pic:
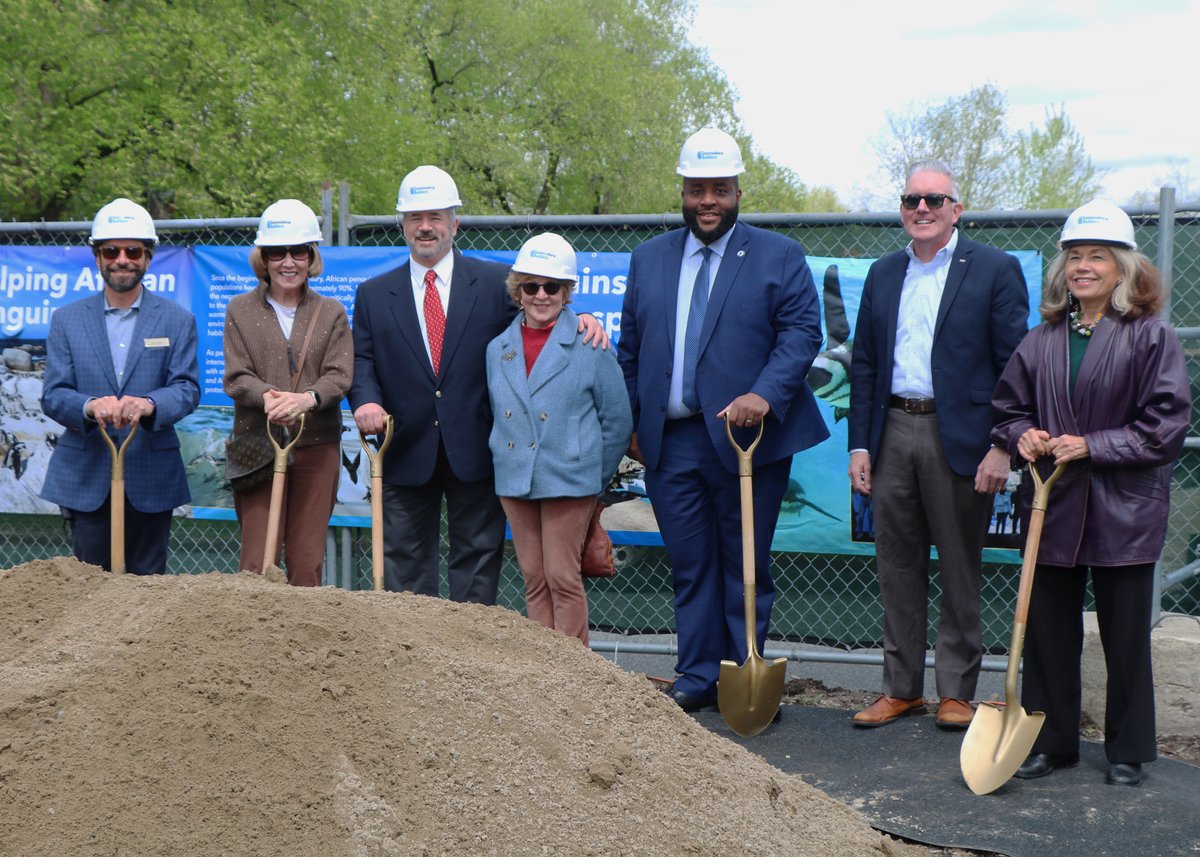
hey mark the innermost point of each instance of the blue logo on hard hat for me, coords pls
(541, 254)
(120, 218)
(276, 224)
(708, 156)
(1093, 218)
(417, 191)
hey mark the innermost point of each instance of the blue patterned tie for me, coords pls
(691, 339)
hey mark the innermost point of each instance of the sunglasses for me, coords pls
(933, 200)
(531, 289)
(112, 253)
(300, 252)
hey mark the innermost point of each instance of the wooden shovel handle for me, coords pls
(116, 500)
(376, 459)
(1033, 538)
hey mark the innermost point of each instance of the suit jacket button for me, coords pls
(437, 394)
(436, 423)
(544, 416)
(510, 444)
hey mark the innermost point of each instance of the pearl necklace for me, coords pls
(1080, 326)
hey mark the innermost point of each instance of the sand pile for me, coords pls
(226, 715)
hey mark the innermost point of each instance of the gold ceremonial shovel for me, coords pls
(117, 499)
(376, 459)
(278, 480)
(748, 696)
(1000, 737)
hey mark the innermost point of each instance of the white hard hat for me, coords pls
(1098, 222)
(287, 222)
(547, 255)
(123, 218)
(710, 153)
(427, 188)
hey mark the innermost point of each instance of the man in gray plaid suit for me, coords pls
(114, 359)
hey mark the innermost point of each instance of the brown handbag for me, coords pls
(249, 456)
(597, 558)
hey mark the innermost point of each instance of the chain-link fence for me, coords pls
(822, 598)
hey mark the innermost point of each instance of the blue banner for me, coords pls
(819, 514)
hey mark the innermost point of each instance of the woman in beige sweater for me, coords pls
(271, 376)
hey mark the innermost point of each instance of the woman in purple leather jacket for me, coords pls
(1101, 385)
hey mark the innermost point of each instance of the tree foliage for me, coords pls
(220, 107)
(1036, 168)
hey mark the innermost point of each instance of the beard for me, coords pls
(122, 279)
(728, 218)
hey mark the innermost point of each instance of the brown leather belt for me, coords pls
(912, 406)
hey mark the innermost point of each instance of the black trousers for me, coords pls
(146, 537)
(412, 534)
(1054, 646)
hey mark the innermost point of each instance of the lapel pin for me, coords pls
(508, 355)
(741, 252)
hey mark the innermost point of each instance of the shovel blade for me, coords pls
(997, 742)
(748, 696)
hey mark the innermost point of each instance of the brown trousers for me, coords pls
(919, 500)
(308, 497)
(548, 536)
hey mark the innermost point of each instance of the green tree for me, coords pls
(1050, 167)
(219, 107)
(1037, 168)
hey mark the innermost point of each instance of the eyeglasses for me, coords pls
(933, 200)
(531, 289)
(112, 253)
(299, 252)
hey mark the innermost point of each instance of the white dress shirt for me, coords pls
(920, 297)
(444, 270)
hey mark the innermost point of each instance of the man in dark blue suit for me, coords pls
(420, 339)
(112, 360)
(937, 322)
(720, 319)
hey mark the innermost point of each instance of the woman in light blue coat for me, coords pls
(561, 422)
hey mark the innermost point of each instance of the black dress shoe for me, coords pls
(1040, 764)
(691, 703)
(1124, 774)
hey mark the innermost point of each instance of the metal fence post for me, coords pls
(1166, 244)
(326, 213)
(343, 214)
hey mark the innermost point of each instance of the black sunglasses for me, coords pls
(297, 251)
(112, 253)
(531, 289)
(933, 200)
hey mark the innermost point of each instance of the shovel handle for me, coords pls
(1033, 538)
(117, 500)
(278, 480)
(376, 459)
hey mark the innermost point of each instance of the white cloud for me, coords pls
(817, 80)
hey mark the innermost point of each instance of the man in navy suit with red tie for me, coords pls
(420, 339)
(720, 320)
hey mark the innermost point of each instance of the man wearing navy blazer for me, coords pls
(119, 358)
(937, 322)
(720, 319)
(420, 336)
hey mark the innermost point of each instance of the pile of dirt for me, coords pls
(226, 715)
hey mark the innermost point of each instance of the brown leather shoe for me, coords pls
(954, 713)
(886, 709)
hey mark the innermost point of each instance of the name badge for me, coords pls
(158, 342)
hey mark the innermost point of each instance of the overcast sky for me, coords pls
(815, 80)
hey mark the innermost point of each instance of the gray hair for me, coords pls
(933, 165)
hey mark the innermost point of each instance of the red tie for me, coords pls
(435, 319)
